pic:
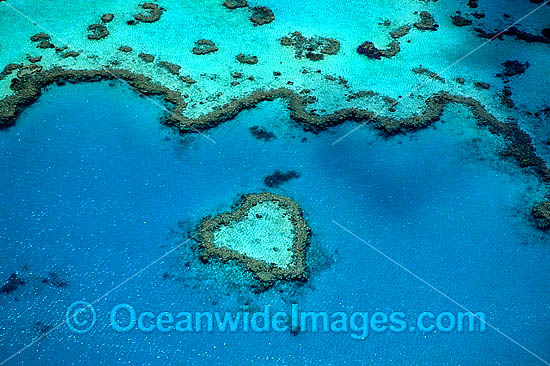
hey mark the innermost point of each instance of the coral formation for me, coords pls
(146, 57)
(151, 14)
(97, 31)
(265, 233)
(541, 215)
(460, 21)
(261, 133)
(11, 284)
(401, 31)
(279, 178)
(313, 48)
(204, 46)
(516, 33)
(107, 18)
(246, 59)
(172, 68)
(427, 22)
(428, 73)
(261, 15)
(518, 143)
(235, 4)
(369, 49)
(513, 68)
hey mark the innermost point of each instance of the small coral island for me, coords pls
(265, 233)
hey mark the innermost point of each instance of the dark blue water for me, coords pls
(94, 189)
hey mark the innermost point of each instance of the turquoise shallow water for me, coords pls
(94, 188)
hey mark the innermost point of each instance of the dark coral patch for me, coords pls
(278, 178)
(426, 23)
(313, 48)
(97, 32)
(151, 14)
(146, 57)
(369, 49)
(261, 15)
(513, 68)
(204, 46)
(541, 215)
(261, 133)
(12, 283)
(55, 280)
(246, 59)
(107, 18)
(235, 4)
(460, 21)
(172, 68)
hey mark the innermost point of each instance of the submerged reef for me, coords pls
(313, 48)
(246, 59)
(369, 49)
(261, 133)
(428, 73)
(519, 146)
(204, 46)
(265, 233)
(426, 23)
(13, 282)
(517, 34)
(151, 14)
(541, 215)
(97, 32)
(235, 4)
(261, 15)
(513, 68)
(278, 178)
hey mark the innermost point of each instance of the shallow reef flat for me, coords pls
(266, 233)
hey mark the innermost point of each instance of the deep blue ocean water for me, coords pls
(94, 188)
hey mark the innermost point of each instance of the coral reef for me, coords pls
(460, 21)
(246, 59)
(125, 49)
(428, 73)
(541, 215)
(313, 48)
(426, 23)
(513, 68)
(28, 88)
(73, 54)
(517, 34)
(261, 227)
(146, 57)
(11, 284)
(369, 49)
(107, 18)
(400, 32)
(97, 31)
(235, 4)
(261, 133)
(152, 13)
(55, 280)
(172, 68)
(261, 15)
(204, 46)
(40, 37)
(482, 85)
(28, 70)
(278, 178)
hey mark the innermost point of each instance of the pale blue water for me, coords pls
(93, 188)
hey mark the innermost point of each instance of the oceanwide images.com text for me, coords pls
(123, 318)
